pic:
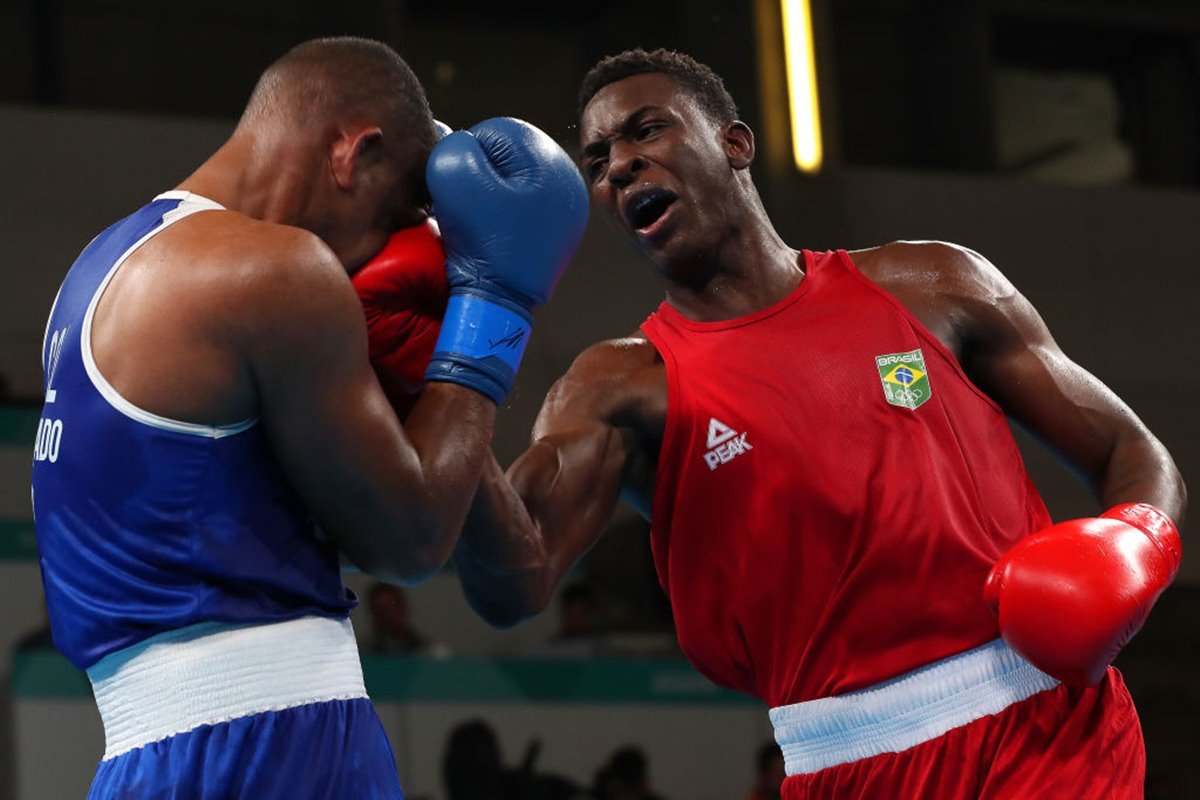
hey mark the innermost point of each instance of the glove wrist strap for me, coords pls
(1155, 524)
(481, 343)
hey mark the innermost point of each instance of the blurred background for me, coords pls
(1060, 138)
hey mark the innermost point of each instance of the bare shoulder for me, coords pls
(264, 255)
(274, 280)
(929, 266)
(616, 357)
(955, 292)
(188, 322)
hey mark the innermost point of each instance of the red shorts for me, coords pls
(1060, 743)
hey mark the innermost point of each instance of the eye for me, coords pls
(596, 169)
(648, 129)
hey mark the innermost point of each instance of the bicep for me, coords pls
(579, 462)
(1011, 355)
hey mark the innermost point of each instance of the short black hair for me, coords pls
(697, 78)
(471, 762)
(628, 765)
(347, 77)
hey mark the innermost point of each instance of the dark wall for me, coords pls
(905, 83)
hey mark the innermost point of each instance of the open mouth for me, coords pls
(647, 206)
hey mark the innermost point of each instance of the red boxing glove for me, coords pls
(403, 293)
(1069, 597)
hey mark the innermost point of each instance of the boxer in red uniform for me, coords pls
(840, 515)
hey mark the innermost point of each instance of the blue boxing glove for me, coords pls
(512, 208)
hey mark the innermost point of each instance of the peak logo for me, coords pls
(724, 444)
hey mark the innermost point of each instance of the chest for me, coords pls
(857, 361)
(825, 400)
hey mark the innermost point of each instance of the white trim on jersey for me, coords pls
(46, 332)
(190, 204)
(214, 672)
(892, 716)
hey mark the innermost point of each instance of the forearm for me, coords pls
(1069, 597)
(499, 532)
(529, 526)
(1140, 470)
(501, 557)
(450, 430)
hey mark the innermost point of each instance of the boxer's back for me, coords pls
(147, 523)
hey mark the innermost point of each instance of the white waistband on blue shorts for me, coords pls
(892, 716)
(216, 672)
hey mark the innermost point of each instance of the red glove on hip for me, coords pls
(403, 293)
(1069, 597)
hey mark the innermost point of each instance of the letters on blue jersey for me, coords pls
(146, 524)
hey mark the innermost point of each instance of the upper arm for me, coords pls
(529, 525)
(329, 423)
(1008, 351)
(584, 439)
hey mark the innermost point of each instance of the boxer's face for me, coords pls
(389, 194)
(657, 162)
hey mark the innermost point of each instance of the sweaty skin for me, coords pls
(599, 431)
(249, 313)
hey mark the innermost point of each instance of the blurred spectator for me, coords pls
(576, 613)
(472, 769)
(626, 776)
(471, 765)
(620, 570)
(770, 772)
(11, 397)
(576, 635)
(392, 632)
(36, 639)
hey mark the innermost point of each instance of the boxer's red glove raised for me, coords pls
(1069, 597)
(403, 293)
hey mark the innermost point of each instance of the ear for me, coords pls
(738, 140)
(346, 151)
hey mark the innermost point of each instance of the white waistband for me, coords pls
(903, 712)
(215, 672)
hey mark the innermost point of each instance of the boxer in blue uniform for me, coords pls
(213, 434)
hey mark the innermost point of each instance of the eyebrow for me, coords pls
(601, 146)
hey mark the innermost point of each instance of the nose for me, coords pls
(624, 164)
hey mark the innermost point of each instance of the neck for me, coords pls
(260, 175)
(750, 269)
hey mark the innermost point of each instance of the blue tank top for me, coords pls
(146, 524)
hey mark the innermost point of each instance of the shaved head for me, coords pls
(342, 129)
(343, 80)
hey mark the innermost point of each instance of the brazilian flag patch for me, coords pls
(905, 379)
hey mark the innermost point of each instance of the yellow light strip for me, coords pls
(802, 84)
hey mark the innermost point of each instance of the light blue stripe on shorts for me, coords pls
(892, 716)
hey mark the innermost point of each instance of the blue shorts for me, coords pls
(218, 711)
(334, 750)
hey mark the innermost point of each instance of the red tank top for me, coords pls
(831, 491)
